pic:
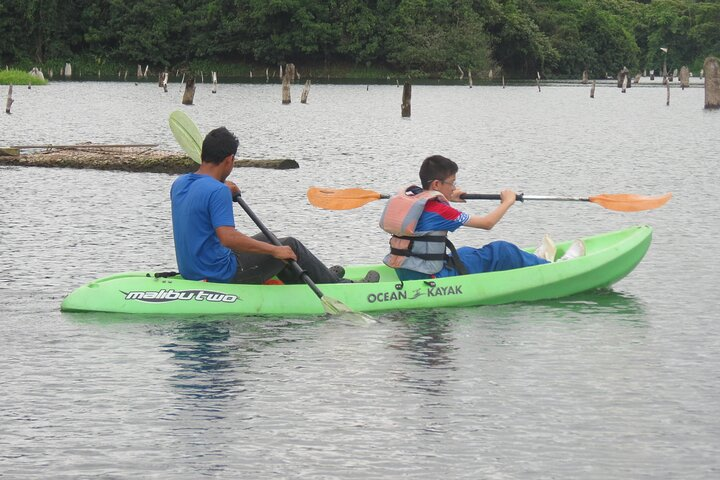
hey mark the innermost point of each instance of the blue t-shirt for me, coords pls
(200, 204)
(439, 216)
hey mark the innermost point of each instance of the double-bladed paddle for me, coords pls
(190, 139)
(349, 198)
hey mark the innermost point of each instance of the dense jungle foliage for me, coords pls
(419, 37)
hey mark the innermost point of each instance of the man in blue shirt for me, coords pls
(207, 245)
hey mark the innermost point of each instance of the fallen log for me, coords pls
(148, 161)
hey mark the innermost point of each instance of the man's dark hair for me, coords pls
(218, 144)
(436, 167)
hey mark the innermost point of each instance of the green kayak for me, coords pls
(609, 257)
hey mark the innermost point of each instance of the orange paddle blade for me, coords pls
(344, 199)
(628, 202)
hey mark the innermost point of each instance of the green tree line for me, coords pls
(422, 37)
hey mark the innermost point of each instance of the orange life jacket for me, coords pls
(420, 251)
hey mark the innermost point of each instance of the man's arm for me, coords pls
(239, 242)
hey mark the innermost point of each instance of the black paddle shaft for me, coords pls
(487, 196)
(274, 240)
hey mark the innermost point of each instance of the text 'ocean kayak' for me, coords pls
(609, 257)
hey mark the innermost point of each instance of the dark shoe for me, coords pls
(371, 277)
(338, 270)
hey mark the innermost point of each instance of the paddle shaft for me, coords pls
(520, 197)
(274, 240)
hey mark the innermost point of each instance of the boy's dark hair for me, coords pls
(436, 167)
(218, 144)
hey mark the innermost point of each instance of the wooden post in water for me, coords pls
(189, 94)
(667, 86)
(10, 100)
(503, 80)
(538, 80)
(214, 80)
(592, 90)
(139, 71)
(287, 79)
(68, 70)
(684, 77)
(585, 77)
(306, 91)
(285, 88)
(165, 76)
(711, 69)
(622, 79)
(470, 78)
(406, 97)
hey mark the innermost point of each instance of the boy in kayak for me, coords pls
(419, 219)
(207, 245)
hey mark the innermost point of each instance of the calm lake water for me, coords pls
(613, 384)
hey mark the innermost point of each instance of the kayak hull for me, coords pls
(609, 258)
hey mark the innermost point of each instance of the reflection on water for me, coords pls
(204, 360)
(426, 340)
(622, 306)
(426, 336)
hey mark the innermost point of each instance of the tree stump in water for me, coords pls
(305, 92)
(711, 69)
(623, 79)
(189, 94)
(287, 80)
(9, 100)
(684, 77)
(406, 98)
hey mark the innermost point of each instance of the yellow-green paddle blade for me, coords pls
(187, 134)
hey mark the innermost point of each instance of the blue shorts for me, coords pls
(493, 257)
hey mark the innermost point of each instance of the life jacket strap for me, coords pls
(453, 261)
